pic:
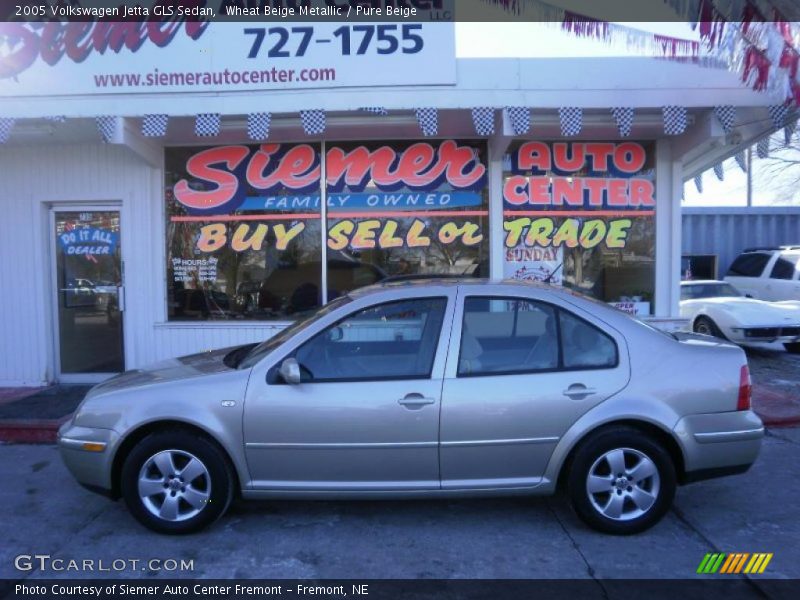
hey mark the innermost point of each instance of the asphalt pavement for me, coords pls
(46, 513)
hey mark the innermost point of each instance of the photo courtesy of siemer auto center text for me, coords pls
(399, 299)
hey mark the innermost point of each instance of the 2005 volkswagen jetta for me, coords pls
(425, 389)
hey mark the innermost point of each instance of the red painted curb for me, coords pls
(30, 431)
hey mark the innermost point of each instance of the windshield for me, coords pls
(697, 291)
(267, 346)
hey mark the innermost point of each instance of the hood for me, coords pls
(749, 311)
(173, 369)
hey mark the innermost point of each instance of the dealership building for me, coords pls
(176, 188)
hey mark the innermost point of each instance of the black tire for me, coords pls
(589, 458)
(211, 492)
(792, 347)
(706, 326)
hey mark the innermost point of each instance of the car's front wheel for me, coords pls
(792, 347)
(176, 482)
(621, 481)
(706, 326)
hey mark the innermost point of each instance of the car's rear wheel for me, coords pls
(706, 326)
(621, 481)
(792, 347)
(176, 482)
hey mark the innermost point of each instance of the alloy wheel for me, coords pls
(174, 485)
(623, 484)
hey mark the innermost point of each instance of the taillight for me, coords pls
(745, 389)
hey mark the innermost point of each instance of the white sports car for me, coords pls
(719, 309)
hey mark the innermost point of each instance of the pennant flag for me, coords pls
(788, 131)
(726, 115)
(6, 125)
(258, 125)
(55, 118)
(675, 119)
(483, 120)
(314, 122)
(719, 171)
(571, 120)
(207, 124)
(520, 117)
(624, 119)
(428, 119)
(698, 182)
(777, 113)
(741, 160)
(762, 148)
(375, 110)
(154, 125)
(106, 125)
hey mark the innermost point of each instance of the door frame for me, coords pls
(87, 206)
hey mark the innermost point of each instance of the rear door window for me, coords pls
(749, 265)
(785, 267)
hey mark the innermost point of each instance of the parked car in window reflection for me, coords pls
(426, 389)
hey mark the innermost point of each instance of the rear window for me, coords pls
(785, 267)
(708, 290)
(749, 265)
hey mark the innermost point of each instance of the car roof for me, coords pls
(439, 282)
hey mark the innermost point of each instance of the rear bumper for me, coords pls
(719, 444)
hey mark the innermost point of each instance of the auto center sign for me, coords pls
(136, 57)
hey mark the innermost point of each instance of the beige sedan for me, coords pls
(426, 389)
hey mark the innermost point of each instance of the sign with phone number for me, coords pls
(104, 58)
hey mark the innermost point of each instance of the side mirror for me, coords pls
(290, 371)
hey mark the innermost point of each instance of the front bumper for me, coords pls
(719, 443)
(751, 335)
(87, 453)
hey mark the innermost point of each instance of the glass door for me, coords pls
(89, 294)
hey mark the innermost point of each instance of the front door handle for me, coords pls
(578, 391)
(415, 401)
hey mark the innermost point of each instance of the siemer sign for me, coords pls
(79, 58)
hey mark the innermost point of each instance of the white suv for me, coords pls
(771, 274)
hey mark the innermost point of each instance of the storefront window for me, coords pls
(243, 222)
(405, 209)
(243, 231)
(582, 215)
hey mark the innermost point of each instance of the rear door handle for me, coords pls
(415, 401)
(578, 391)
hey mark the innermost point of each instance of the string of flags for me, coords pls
(107, 126)
(207, 124)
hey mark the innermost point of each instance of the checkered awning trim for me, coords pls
(207, 124)
(741, 160)
(154, 125)
(719, 171)
(698, 182)
(428, 119)
(375, 110)
(258, 125)
(6, 125)
(106, 125)
(571, 118)
(726, 115)
(762, 148)
(483, 120)
(778, 114)
(314, 122)
(623, 115)
(520, 117)
(675, 119)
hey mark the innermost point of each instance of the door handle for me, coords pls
(578, 391)
(415, 401)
